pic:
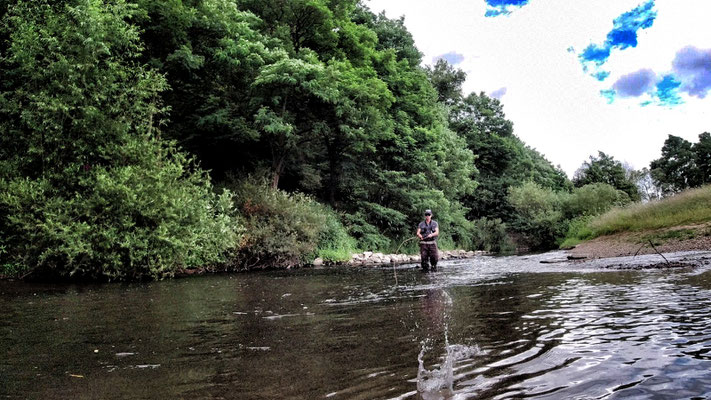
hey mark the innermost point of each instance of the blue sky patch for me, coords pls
(495, 8)
(668, 91)
(596, 54)
(453, 58)
(498, 93)
(662, 91)
(601, 75)
(608, 94)
(622, 36)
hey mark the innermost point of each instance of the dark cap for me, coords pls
(428, 212)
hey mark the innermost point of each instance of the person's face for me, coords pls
(428, 217)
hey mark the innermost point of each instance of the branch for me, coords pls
(637, 252)
(655, 249)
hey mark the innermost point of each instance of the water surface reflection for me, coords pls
(483, 328)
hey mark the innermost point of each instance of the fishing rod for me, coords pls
(403, 242)
(398, 252)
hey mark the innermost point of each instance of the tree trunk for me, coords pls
(335, 154)
(277, 169)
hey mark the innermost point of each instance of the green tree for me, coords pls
(87, 187)
(211, 52)
(301, 24)
(593, 199)
(447, 81)
(538, 215)
(290, 92)
(676, 169)
(605, 169)
(392, 35)
(702, 158)
(502, 159)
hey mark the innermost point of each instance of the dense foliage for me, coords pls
(325, 96)
(683, 164)
(605, 169)
(86, 186)
(544, 216)
(109, 110)
(285, 230)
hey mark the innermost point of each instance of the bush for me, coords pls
(491, 235)
(286, 230)
(539, 217)
(119, 223)
(578, 231)
(367, 235)
(594, 199)
(334, 242)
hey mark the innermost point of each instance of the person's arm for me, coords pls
(419, 234)
(435, 233)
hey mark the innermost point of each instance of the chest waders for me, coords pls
(429, 253)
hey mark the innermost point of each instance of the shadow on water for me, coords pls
(483, 328)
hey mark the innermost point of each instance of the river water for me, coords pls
(507, 327)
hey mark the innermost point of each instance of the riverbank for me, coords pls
(668, 240)
(369, 258)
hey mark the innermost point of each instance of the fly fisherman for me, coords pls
(427, 232)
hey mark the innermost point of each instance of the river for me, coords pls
(504, 327)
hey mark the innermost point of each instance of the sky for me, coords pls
(577, 77)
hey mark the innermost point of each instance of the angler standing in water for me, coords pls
(427, 232)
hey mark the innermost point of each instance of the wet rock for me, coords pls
(554, 261)
(318, 262)
(369, 258)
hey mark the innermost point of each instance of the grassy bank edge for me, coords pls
(682, 216)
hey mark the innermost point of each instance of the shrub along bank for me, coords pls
(285, 230)
(544, 217)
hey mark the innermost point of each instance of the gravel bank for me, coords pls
(627, 244)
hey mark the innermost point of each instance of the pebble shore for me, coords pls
(369, 258)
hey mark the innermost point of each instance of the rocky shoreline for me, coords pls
(369, 258)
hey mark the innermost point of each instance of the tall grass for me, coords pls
(687, 208)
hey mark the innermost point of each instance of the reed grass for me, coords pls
(691, 207)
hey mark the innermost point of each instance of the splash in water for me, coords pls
(437, 382)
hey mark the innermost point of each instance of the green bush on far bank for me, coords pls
(578, 231)
(546, 218)
(334, 242)
(285, 229)
(491, 236)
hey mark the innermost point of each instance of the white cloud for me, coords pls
(555, 106)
